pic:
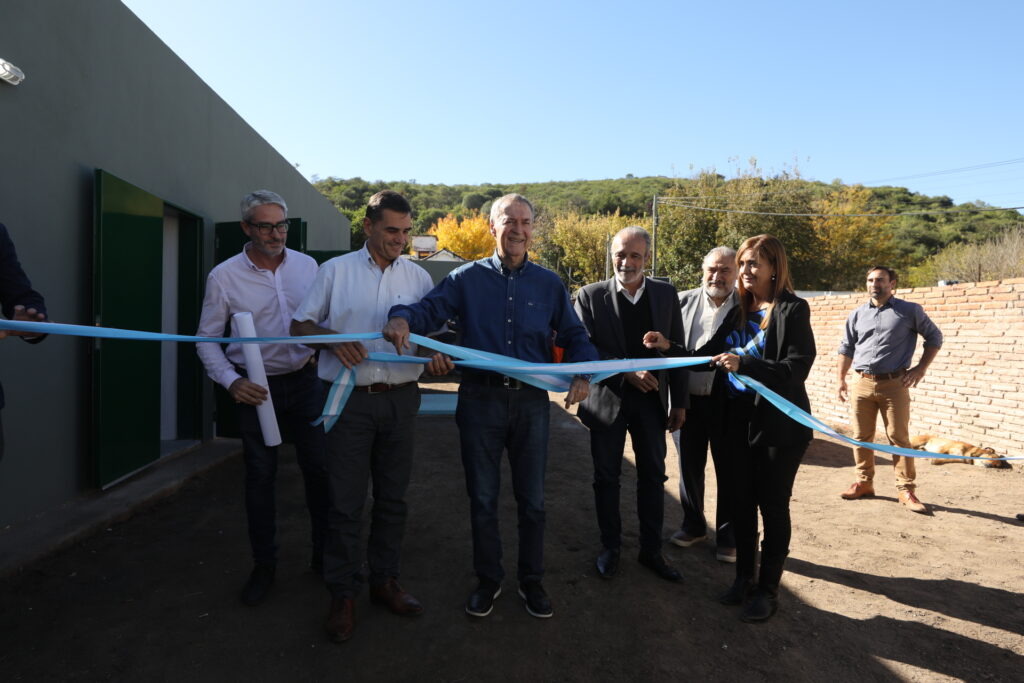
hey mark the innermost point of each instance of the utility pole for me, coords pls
(607, 256)
(654, 236)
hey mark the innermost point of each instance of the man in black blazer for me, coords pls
(617, 313)
(18, 301)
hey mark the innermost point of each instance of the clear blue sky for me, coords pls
(471, 92)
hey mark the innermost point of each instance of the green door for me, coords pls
(127, 271)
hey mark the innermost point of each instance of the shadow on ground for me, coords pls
(155, 599)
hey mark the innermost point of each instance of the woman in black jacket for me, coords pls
(767, 337)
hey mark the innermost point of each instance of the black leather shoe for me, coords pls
(760, 606)
(608, 563)
(737, 592)
(481, 601)
(657, 564)
(258, 585)
(537, 602)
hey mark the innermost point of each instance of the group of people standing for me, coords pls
(745, 316)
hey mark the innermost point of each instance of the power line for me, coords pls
(947, 171)
(835, 215)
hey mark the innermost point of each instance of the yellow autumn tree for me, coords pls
(848, 241)
(469, 237)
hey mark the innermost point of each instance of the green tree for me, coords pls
(473, 201)
(849, 243)
(575, 245)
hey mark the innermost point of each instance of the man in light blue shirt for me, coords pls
(879, 343)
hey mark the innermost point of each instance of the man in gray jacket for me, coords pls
(704, 309)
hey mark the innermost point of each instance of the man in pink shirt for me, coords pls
(268, 280)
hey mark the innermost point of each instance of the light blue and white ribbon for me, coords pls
(547, 376)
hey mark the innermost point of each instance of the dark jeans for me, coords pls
(372, 441)
(642, 416)
(490, 420)
(298, 400)
(701, 429)
(761, 478)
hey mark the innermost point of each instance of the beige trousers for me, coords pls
(868, 398)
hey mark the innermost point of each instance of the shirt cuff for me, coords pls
(227, 378)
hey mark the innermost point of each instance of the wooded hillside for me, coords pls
(828, 251)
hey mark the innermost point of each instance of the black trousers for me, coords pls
(703, 428)
(297, 402)
(371, 443)
(643, 417)
(760, 479)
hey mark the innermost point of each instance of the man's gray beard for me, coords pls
(623, 276)
(717, 292)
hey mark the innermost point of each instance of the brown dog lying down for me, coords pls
(982, 457)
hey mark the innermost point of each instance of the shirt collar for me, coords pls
(889, 303)
(367, 258)
(620, 288)
(497, 264)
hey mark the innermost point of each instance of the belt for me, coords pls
(884, 375)
(380, 387)
(489, 379)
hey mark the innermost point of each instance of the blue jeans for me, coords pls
(297, 402)
(491, 420)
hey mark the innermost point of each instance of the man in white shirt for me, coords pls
(268, 280)
(704, 309)
(374, 436)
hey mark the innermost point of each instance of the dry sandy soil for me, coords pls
(872, 592)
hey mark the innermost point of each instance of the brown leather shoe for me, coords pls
(858, 489)
(910, 501)
(391, 595)
(340, 620)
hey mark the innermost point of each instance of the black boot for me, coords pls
(737, 593)
(760, 606)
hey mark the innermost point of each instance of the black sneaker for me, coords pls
(537, 602)
(258, 585)
(481, 601)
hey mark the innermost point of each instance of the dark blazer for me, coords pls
(15, 288)
(789, 353)
(598, 307)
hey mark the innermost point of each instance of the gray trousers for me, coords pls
(372, 443)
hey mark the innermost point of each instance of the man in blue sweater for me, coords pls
(505, 304)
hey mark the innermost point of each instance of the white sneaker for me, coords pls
(685, 540)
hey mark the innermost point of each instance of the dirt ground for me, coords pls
(871, 592)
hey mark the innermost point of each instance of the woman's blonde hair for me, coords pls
(767, 248)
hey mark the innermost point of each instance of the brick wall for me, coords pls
(974, 390)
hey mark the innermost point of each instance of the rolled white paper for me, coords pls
(258, 375)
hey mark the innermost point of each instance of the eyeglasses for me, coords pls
(267, 228)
